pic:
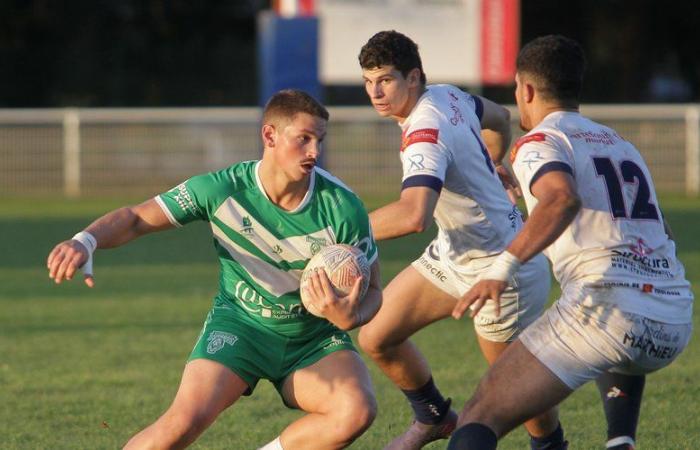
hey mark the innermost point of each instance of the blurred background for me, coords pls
(130, 97)
(109, 102)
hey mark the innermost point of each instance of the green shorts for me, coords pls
(254, 352)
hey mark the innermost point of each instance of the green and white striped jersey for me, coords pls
(262, 248)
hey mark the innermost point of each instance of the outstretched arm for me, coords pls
(111, 230)
(557, 205)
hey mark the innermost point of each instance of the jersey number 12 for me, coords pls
(642, 207)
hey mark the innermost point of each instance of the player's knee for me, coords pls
(372, 343)
(353, 416)
(180, 426)
(477, 409)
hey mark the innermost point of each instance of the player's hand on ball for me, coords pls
(65, 259)
(477, 296)
(340, 310)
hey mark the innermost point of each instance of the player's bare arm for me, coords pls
(111, 230)
(496, 134)
(557, 205)
(495, 123)
(411, 213)
(350, 311)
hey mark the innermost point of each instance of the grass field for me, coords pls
(85, 369)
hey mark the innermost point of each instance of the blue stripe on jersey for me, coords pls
(479, 109)
(552, 166)
(430, 181)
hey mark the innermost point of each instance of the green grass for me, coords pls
(85, 369)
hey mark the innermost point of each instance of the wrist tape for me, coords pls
(90, 243)
(502, 268)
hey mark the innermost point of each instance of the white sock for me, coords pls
(619, 441)
(274, 445)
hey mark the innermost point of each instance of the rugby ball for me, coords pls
(343, 265)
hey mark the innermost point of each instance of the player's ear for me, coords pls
(529, 91)
(269, 135)
(414, 77)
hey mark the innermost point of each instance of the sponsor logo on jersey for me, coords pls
(416, 162)
(217, 340)
(603, 137)
(429, 135)
(634, 260)
(516, 218)
(336, 340)
(183, 199)
(457, 116)
(534, 137)
(256, 304)
(641, 248)
(532, 157)
(316, 244)
(644, 287)
(247, 228)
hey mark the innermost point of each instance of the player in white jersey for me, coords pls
(450, 177)
(268, 218)
(625, 308)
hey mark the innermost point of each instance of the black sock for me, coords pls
(553, 441)
(622, 399)
(473, 436)
(428, 404)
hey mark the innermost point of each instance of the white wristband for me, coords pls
(90, 243)
(502, 268)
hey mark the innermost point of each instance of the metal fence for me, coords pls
(112, 152)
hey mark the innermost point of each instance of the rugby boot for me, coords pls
(420, 434)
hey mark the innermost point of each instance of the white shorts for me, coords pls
(521, 304)
(579, 342)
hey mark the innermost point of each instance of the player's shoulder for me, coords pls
(238, 176)
(428, 121)
(547, 134)
(331, 191)
(224, 182)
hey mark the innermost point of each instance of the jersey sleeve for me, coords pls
(424, 156)
(476, 104)
(355, 230)
(538, 153)
(192, 199)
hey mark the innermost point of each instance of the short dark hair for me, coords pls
(391, 48)
(287, 103)
(557, 63)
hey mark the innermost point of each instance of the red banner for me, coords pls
(500, 40)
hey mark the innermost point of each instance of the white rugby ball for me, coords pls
(343, 264)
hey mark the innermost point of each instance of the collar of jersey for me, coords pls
(304, 201)
(407, 121)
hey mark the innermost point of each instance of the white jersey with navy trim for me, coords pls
(617, 239)
(442, 149)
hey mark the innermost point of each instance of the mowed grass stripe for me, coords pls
(86, 368)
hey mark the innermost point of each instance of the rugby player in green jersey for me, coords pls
(268, 218)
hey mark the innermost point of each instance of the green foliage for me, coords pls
(87, 368)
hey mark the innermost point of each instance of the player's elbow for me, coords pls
(569, 204)
(419, 222)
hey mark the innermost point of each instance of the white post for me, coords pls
(692, 150)
(71, 153)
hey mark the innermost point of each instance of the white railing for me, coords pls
(74, 152)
